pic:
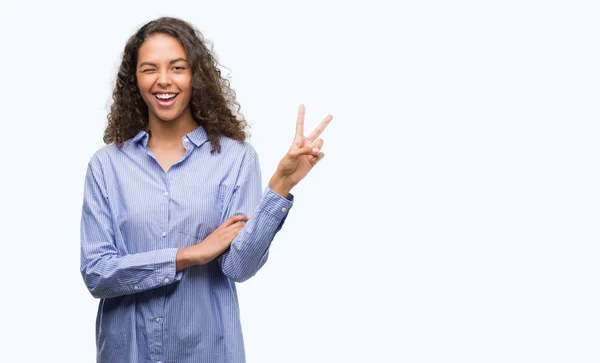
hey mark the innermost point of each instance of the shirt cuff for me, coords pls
(275, 204)
(165, 266)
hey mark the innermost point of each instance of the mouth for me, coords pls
(165, 99)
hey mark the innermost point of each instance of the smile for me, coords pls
(165, 99)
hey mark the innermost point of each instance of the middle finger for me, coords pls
(320, 128)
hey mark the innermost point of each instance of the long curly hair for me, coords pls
(213, 102)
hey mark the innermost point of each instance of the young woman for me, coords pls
(174, 213)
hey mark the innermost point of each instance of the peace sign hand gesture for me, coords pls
(302, 156)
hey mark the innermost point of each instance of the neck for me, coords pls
(166, 134)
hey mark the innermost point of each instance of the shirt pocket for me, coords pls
(190, 238)
(200, 209)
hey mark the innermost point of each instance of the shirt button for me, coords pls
(136, 287)
(164, 234)
(158, 320)
(167, 280)
(166, 194)
(284, 209)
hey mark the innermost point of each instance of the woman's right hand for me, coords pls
(213, 245)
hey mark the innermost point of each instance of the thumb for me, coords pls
(316, 159)
(308, 150)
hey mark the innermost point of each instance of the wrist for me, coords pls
(280, 185)
(185, 258)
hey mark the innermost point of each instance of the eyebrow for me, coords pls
(171, 62)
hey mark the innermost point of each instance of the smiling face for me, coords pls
(164, 79)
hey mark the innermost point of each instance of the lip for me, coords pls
(165, 103)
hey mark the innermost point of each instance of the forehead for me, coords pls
(160, 47)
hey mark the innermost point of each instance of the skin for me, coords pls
(162, 68)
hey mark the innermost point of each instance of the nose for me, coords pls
(163, 79)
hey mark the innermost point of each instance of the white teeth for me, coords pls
(165, 96)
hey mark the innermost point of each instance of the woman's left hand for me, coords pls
(302, 156)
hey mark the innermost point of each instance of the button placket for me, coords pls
(165, 206)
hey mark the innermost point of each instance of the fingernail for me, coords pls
(315, 150)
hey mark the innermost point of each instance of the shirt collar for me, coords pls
(197, 137)
(141, 136)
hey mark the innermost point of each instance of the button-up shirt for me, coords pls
(136, 216)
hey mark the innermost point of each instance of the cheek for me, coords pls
(145, 96)
(185, 83)
(144, 85)
(186, 88)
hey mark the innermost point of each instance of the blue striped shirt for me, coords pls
(135, 217)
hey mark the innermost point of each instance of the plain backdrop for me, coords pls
(454, 218)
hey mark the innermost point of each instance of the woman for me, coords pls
(173, 211)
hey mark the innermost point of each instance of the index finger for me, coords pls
(234, 219)
(300, 121)
(320, 128)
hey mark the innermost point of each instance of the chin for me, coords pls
(166, 119)
(167, 116)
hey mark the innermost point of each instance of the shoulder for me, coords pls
(104, 153)
(237, 149)
(109, 154)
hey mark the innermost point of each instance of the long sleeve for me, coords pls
(250, 249)
(107, 272)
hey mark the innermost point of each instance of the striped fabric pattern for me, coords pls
(134, 219)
